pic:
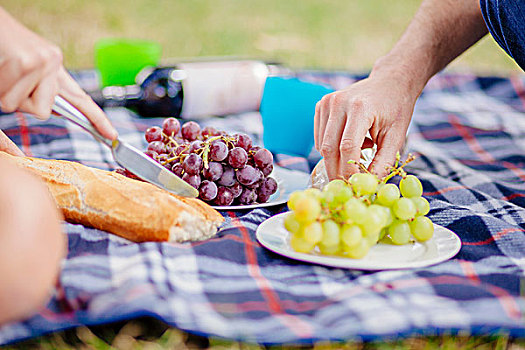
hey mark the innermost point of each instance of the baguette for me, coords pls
(129, 208)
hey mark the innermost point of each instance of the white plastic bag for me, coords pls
(319, 177)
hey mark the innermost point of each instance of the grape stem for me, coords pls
(205, 153)
(394, 170)
(171, 139)
(360, 165)
(202, 151)
(398, 169)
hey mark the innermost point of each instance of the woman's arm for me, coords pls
(32, 74)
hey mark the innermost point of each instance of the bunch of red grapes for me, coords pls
(226, 169)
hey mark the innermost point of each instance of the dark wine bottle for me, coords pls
(193, 89)
(158, 94)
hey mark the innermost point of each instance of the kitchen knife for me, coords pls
(128, 156)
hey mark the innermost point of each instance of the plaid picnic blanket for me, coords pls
(469, 135)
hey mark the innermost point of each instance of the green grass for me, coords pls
(149, 333)
(330, 34)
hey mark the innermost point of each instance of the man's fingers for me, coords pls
(324, 115)
(317, 122)
(349, 169)
(352, 142)
(70, 90)
(8, 146)
(332, 140)
(387, 149)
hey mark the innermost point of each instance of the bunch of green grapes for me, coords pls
(347, 218)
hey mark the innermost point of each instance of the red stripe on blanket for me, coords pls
(512, 196)
(295, 324)
(519, 172)
(469, 139)
(446, 131)
(441, 133)
(444, 190)
(476, 147)
(495, 237)
(39, 130)
(24, 134)
(469, 271)
(248, 306)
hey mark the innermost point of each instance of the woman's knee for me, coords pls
(32, 243)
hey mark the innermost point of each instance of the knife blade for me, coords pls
(128, 156)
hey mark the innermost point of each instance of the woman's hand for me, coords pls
(32, 74)
(380, 105)
(8, 146)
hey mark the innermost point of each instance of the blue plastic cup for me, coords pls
(288, 109)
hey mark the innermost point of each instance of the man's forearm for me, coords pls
(440, 31)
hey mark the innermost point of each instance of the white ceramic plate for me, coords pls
(442, 246)
(288, 181)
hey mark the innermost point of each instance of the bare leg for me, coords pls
(32, 243)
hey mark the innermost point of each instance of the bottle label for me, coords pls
(222, 87)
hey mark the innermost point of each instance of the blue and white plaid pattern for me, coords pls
(469, 135)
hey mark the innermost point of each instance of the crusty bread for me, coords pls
(129, 208)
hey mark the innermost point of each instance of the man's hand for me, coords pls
(380, 105)
(32, 74)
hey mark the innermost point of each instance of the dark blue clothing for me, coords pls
(505, 20)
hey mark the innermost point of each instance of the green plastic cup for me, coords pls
(119, 60)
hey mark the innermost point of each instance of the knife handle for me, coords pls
(64, 109)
